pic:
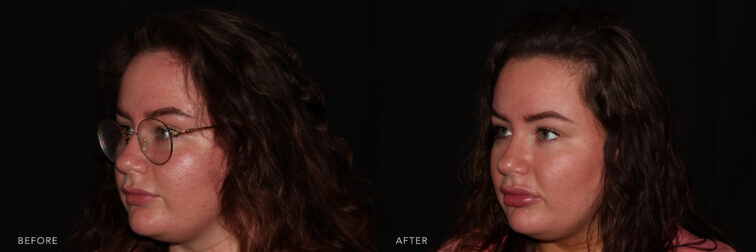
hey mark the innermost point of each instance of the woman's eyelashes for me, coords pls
(542, 134)
(546, 134)
(501, 132)
(126, 129)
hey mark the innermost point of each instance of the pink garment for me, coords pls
(683, 237)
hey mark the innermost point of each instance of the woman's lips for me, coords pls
(137, 197)
(518, 197)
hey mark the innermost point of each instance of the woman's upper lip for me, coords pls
(515, 190)
(137, 191)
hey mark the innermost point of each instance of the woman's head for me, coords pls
(621, 169)
(176, 201)
(547, 149)
(282, 179)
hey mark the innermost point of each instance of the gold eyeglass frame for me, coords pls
(142, 142)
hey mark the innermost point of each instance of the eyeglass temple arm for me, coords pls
(184, 131)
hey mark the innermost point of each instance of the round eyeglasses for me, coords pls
(154, 136)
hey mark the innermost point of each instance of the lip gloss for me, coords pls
(518, 197)
(137, 197)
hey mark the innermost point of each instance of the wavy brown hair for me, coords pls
(646, 193)
(290, 183)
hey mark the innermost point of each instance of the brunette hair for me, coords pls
(646, 194)
(290, 183)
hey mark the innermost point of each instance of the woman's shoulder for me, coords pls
(452, 244)
(689, 242)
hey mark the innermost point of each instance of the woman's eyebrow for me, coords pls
(545, 115)
(500, 116)
(120, 113)
(166, 111)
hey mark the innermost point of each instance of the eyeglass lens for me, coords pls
(153, 135)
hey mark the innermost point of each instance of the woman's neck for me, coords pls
(565, 246)
(585, 241)
(215, 238)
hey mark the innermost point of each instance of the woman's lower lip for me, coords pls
(138, 199)
(520, 200)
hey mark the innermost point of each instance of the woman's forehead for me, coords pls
(157, 80)
(536, 84)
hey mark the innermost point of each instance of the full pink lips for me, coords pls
(137, 197)
(518, 197)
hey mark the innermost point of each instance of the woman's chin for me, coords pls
(525, 222)
(145, 223)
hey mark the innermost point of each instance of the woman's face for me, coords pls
(547, 156)
(178, 201)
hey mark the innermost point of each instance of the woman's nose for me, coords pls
(131, 159)
(512, 157)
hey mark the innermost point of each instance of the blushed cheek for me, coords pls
(571, 178)
(196, 178)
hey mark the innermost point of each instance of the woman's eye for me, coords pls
(162, 133)
(547, 134)
(128, 131)
(501, 132)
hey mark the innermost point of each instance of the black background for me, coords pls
(400, 82)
